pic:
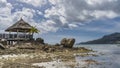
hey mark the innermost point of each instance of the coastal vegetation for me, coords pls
(34, 30)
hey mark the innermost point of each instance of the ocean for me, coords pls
(108, 56)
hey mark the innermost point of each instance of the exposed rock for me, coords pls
(48, 48)
(3, 41)
(1, 46)
(40, 40)
(51, 50)
(91, 62)
(45, 48)
(67, 42)
(57, 44)
(31, 40)
(64, 42)
(19, 65)
(71, 42)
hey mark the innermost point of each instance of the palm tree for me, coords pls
(34, 30)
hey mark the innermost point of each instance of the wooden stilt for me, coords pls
(17, 37)
(25, 34)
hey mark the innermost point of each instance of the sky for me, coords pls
(56, 19)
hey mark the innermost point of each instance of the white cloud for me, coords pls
(54, 2)
(25, 13)
(57, 14)
(81, 11)
(39, 12)
(72, 25)
(98, 2)
(5, 8)
(5, 14)
(69, 13)
(60, 14)
(104, 14)
(46, 26)
(36, 3)
(7, 18)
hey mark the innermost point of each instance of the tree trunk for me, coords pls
(32, 35)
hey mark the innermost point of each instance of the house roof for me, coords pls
(20, 26)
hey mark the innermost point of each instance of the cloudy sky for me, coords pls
(81, 19)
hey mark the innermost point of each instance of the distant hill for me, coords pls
(107, 39)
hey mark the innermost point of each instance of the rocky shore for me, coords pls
(25, 54)
(19, 56)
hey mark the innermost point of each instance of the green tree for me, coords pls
(34, 30)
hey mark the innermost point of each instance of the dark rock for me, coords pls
(3, 41)
(31, 39)
(18, 65)
(51, 50)
(45, 48)
(1, 46)
(40, 40)
(68, 43)
(57, 44)
(48, 48)
(71, 42)
(64, 42)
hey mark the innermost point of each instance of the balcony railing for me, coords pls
(15, 36)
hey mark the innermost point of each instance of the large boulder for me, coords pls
(71, 42)
(64, 42)
(68, 43)
(57, 44)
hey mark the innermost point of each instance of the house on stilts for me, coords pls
(20, 31)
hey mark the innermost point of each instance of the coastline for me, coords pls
(28, 56)
(80, 57)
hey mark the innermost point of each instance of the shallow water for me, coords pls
(107, 57)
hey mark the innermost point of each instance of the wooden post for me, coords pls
(8, 42)
(30, 36)
(13, 36)
(17, 34)
(2, 36)
(9, 34)
(25, 34)
(17, 37)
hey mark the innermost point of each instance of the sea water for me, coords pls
(108, 56)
